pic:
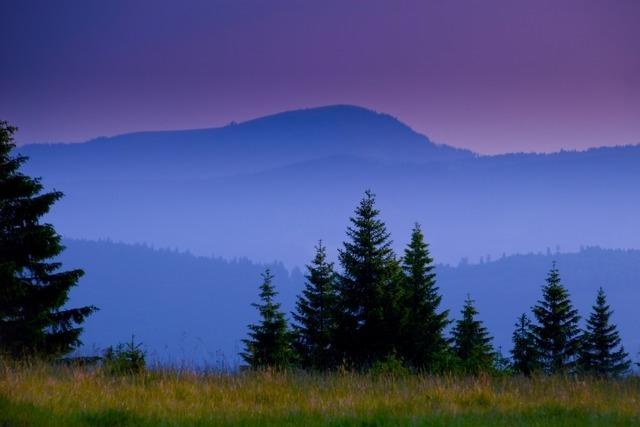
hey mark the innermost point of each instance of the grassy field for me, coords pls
(42, 396)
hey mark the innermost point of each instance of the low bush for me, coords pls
(125, 359)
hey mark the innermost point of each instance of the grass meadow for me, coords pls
(62, 396)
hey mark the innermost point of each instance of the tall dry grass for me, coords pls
(38, 394)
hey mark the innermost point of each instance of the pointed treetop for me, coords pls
(267, 291)
(556, 331)
(269, 341)
(524, 352)
(471, 340)
(422, 332)
(602, 352)
(315, 314)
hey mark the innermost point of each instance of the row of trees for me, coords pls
(556, 343)
(380, 306)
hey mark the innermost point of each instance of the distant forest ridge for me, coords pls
(176, 302)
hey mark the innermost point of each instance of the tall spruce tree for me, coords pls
(472, 342)
(315, 314)
(368, 317)
(33, 292)
(269, 342)
(422, 332)
(524, 354)
(556, 333)
(601, 352)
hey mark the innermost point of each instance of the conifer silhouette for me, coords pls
(602, 353)
(556, 334)
(471, 341)
(315, 314)
(34, 320)
(368, 289)
(524, 353)
(423, 324)
(269, 342)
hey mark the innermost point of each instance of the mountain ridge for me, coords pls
(251, 146)
(254, 187)
(342, 115)
(328, 113)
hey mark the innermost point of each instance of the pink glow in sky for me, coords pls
(492, 75)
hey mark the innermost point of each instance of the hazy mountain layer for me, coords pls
(269, 188)
(252, 146)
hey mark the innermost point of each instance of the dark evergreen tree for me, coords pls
(368, 318)
(422, 332)
(33, 292)
(556, 333)
(524, 353)
(269, 342)
(601, 352)
(315, 314)
(472, 342)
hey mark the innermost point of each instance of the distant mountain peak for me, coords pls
(332, 116)
(342, 111)
(274, 141)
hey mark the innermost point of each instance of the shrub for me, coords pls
(391, 366)
(125, 358)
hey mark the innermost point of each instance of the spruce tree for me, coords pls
(368, 317)
(34, 320)
(269, 342)
(315, 314)
(556, 333)
(422, 324)
(524, 353)
(602, 353)
(472, 342)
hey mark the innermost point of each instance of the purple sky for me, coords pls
(489, 75)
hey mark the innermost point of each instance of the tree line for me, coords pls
(380, 308)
